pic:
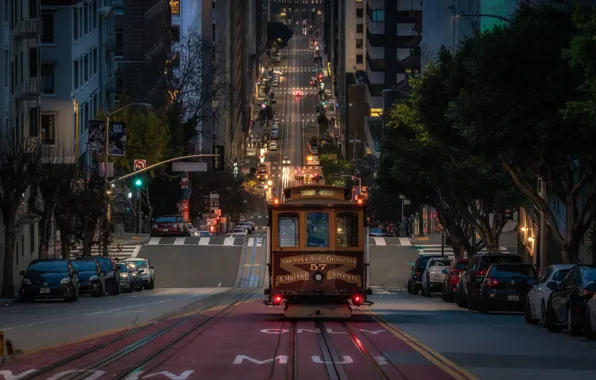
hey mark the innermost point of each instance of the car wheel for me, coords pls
(470, 303)
(458, 298)
(549, 319)
(151, 284)
(542, 314)
(483, 306)
(588, 328)
(410, 287)
(426, 291)
(528, 313)
(572, 327)
(444, 295)
(116, 290)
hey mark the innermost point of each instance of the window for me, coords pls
(176, 34)
(317, 229)
(359, 13)
(377, 15)
(76, 74)
(47, 129)
(47, 73)
(85, 19)
(94, 13)
(94, 62)
(359, 43)
(359, 28)
(359, 58)
(347, 231)
(33, 62)
(175, 5)
(287, 231)
(75, 22)
(48, 28)
(33, 122)
(86, 67)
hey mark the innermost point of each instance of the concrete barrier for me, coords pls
(193, 266)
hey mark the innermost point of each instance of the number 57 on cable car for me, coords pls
(317, 255)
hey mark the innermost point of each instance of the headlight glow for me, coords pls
(93, 278)
(65, 280)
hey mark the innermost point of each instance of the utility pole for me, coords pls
(354, 143)
(401, 224)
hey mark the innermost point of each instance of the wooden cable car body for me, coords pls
(317, 253)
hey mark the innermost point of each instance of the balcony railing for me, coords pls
(28, 28)
(29, 88)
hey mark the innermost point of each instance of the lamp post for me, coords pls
(106, 155)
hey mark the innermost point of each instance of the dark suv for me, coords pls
(415, 281)
(468, 287)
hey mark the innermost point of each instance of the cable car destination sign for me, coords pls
(318, 262)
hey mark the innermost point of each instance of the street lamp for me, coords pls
(106, 155)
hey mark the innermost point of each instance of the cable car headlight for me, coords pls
(318, 277)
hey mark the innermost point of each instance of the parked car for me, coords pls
(169, 225)
(249, 225)
(236, 234)
(505, 287)
(146, 271)
(240, 229)
(566, 306)
(415, 281)
(434, 275)
(49, 278)
(130, 278)
(469, 283)
(535, 307)
(91, 277)
(458, 266)
(111, 274)
(590, 319)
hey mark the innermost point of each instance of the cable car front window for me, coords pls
(287, 231)
(317, 229)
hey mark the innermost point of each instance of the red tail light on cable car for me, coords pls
(277, 299)
(357, 299)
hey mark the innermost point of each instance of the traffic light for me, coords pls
(138, 182)
(218, 160)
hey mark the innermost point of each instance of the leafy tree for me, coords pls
(19, 165)
(510, 108)
(333, 165)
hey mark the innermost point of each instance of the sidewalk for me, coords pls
(127, 238)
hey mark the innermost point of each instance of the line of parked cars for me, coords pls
(96, 275)
(242, 228)
(564, 297)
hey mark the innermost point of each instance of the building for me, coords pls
(20, 101)
(233, 33)
(76, 67)
(448, 22)
(143, 32)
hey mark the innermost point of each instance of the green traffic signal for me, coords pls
(138, 182)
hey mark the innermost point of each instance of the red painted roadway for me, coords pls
(254, 342)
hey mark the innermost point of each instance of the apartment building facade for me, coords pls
(21, 86)
(142, 30)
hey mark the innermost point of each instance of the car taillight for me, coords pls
(454, 278)
(357, 299)
(481, 273)
(277, 299)
(491, 282)
(417, 273)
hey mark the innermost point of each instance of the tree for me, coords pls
(19, 165)
(197, 85)
(333, 165)
(54, 178)
(90, 201)
(511, 108)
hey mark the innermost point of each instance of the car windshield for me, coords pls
(141, 264)
(560, 275)
(590, 274)
(166, 219)
(461, 265)
(57, 266)
(514, 271)
(85, 265)
(441, 263)
(105, 263)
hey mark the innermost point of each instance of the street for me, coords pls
(405, 337)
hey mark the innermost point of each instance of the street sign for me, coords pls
(139, 164)
(407, 201)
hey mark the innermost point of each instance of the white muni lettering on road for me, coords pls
(183, 376)
(135, 375)
(274, 331)
(8, 375)
(346, 360)
(381, 360)
(281, 359)
(93, 375)
(372, 332)
(300, 331)
(330, 331)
